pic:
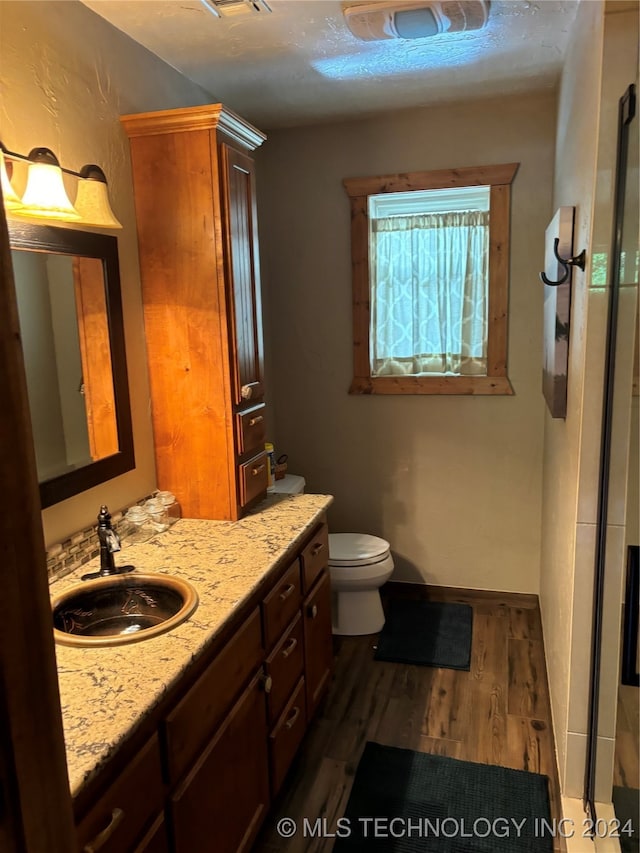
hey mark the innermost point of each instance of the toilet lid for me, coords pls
(356, 549)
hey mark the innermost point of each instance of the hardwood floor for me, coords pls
(626, 770)
(497, 713)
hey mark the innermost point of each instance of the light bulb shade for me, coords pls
(45, 195)
(11, 199)
(92, 200)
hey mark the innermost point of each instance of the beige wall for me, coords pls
(454, 483)
(600, 64)
(66, 76)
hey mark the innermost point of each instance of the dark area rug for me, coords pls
(428, 633)
(626, 803)
(411, 802)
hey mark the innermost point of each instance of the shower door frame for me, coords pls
(626, 114)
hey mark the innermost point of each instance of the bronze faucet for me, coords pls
(109, 544)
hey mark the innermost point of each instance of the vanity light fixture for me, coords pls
(45, 196)
(92, 200)
(11, 199)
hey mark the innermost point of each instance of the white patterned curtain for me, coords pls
(429, 291)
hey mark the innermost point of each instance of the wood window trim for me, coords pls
(496, 382)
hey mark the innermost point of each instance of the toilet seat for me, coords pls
(356, 549)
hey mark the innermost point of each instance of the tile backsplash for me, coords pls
(76, 550)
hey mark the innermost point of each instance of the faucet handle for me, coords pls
(112, 541)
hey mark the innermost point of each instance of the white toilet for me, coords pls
(358, 564)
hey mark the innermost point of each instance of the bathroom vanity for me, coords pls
(180, 742)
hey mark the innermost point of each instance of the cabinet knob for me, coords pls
(316, 549)
(312, 611)
(267, 684)
(102, 837)
(246, 391)
(257, 469)
(257, 420)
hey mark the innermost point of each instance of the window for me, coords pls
(430, 255)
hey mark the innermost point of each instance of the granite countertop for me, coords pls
(106, 692)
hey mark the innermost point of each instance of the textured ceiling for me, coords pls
(300, 64)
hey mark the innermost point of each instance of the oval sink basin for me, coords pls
(120, 609)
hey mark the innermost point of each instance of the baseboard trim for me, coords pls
(399, 589)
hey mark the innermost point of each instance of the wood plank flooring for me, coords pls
(497, 713)
(626, 769)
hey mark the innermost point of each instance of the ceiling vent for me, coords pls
(234, 8)
(414, 20)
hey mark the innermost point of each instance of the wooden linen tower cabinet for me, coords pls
(198, 243)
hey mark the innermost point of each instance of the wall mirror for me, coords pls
(68, 293)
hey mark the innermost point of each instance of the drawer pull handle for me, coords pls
(288, 649)
(267, 684)
(312, 611)
(246, 391)
(102, 837)
(286, 592)
(257, 469)
(295, 713)
(257, 420)
(316, 549)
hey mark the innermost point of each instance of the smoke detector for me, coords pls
(232, 8)
(414, 20)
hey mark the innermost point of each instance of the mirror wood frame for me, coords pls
(88, 244)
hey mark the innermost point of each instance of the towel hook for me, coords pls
(578, 261)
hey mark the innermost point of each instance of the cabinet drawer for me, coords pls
(315, 556)
(253, 479)
(194, 718)
(284, 665)
(251, 427)
(285, 739)
(280, 606)
(118, 819)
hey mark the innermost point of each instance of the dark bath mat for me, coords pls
(429, 633)
(626, 803)
(432, 804)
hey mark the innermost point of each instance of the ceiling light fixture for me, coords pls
(45, 196)
(414, 19)
(233, 8)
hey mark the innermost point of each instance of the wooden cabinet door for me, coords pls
(202, 709)
(243, 274)
(222, 802)
(318, 642)
(155, 841)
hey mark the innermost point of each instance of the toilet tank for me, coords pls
(290, 484)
